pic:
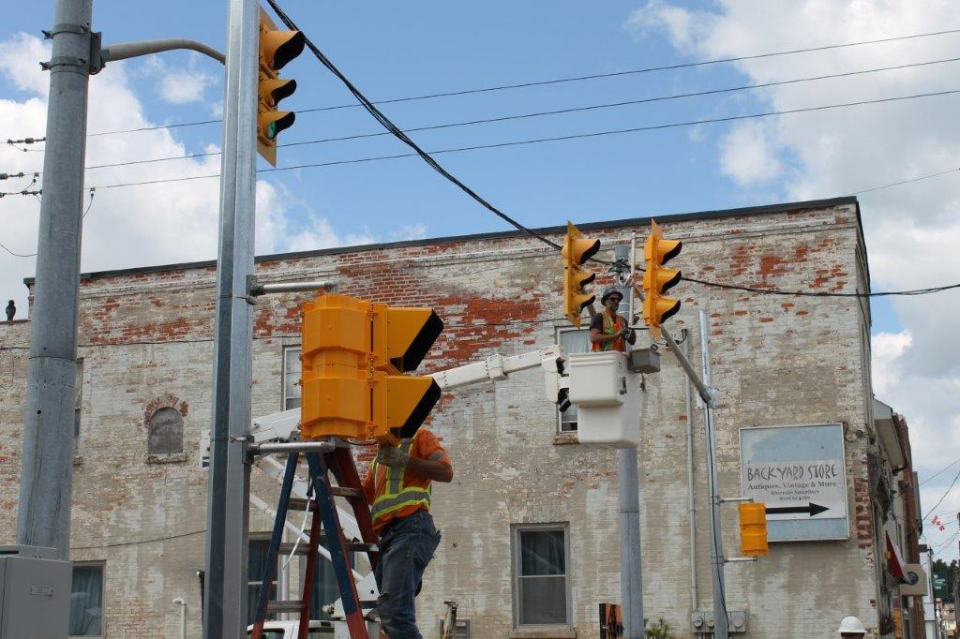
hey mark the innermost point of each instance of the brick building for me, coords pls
(522, 483)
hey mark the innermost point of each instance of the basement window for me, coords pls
(541, 589)
(291, 377)
(573, 340)
(86, 601)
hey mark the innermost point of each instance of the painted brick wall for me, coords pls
(146, 343)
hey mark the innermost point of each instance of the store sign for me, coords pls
(799, 474)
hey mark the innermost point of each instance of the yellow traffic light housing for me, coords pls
(277, 48)
(753, 529)
(576, 251)
(657, 280)
(354, 355)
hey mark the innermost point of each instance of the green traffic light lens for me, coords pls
(272, 130)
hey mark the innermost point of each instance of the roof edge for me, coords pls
(548, 230)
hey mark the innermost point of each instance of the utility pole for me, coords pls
(631, 571)
(722, 624)
(721, 628)
(225, 600)
(46, 472)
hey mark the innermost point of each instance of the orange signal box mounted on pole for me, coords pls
(355, 354)
(753, 529)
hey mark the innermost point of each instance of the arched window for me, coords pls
(165, 432)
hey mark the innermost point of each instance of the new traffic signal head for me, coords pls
(354, 355)
(277, 48)
(657, 280)
(753, 529)
(401, 337)
(576, 251)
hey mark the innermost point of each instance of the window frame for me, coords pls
(283, 376)
(103, 596)
(151, 428)
(261, 537)
(560, 331)
(515, 556)
(77, 405)
(351, 562)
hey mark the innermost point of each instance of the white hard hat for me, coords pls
(851, 624)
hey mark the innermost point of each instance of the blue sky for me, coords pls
(393, 50)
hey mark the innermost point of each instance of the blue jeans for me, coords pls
(406, 547)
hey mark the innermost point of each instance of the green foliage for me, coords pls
(950, 572)
(659, 631)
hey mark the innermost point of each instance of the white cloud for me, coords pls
(180, 85)
(912, 231)
(747, 155)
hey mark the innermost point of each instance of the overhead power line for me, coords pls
(555, 81)
(944, 496)
(400, 135)
(562, 138)
(940, 472)
(539, 114)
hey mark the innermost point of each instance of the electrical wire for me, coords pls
(555, 81)
(141, 541)
(944, 496)
(532, 141)
(538, 114)
(15, 254)
(940, 472)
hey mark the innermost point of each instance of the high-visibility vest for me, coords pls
(612, 327)
(395, 495)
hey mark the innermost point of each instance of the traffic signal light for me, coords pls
(753, 529)
(576, 251)
(657, 280)
(277, 48)
(354, 355)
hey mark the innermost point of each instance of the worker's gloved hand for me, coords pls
(392, 457)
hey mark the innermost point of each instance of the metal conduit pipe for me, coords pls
(691, 497)
(180, 601)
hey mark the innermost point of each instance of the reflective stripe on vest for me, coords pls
(395, 496)
(610, 328)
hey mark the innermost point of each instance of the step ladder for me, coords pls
(338, 463)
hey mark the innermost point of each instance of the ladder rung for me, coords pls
(301, 549)
(298, 503)
(284, 606)
(357, 546)
(343, 491)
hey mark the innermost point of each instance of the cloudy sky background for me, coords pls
(912, 230)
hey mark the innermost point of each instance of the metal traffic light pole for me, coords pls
(46, 471)
(721, 629)
(225, 600)
(631, 576)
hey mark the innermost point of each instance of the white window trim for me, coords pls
(103, 597)
(515, 531)
(283, 373)
(560, 331)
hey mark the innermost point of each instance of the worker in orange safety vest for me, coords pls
(608, 329)
(399, 487)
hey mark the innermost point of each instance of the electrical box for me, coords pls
(607, 396)
(34, 593)
(703, 622)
